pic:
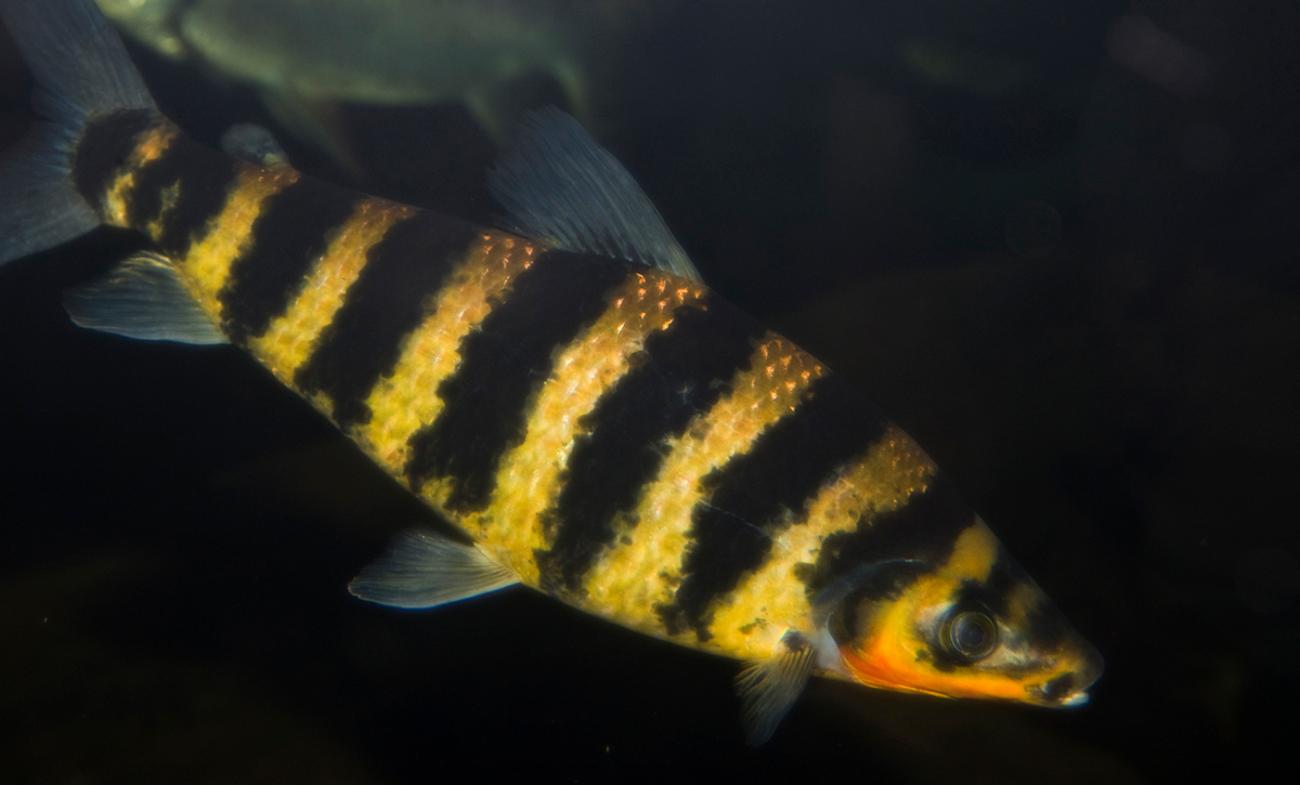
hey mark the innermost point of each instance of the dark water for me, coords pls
(1080, 292)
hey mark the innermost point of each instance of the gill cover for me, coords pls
(972, 626)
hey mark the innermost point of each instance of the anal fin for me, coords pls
(425, 570)
(142, 298)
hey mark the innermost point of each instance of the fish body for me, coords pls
(569, 394)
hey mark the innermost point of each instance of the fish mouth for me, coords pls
(1070, 689)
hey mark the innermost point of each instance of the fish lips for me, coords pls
(1070, 689)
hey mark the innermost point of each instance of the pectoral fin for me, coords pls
(768, 689)
(424, 570)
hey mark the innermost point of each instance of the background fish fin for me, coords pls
(424, 570)
(142, 298)
(558, 186)
(577, 92)
(496, 110)
(253, 143)
(768, 689)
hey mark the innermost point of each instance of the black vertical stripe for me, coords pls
(205, 178)
(757, 493)
(503, 363)
(922, 531)
(292, 231)
(403, 272)
(104, 149)
(994, 594)
(682, 372)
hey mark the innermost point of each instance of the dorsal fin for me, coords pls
(560, 187)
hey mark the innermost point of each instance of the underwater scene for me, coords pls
(649, 390)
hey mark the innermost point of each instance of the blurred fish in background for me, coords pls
(495, 58)
(965, 68)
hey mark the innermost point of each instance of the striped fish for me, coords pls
(601, 425)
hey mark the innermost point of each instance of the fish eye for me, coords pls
(970, 635)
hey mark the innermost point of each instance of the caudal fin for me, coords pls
(81, 72)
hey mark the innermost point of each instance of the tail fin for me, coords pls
(82, 71)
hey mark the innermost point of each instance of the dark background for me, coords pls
(1069, 268)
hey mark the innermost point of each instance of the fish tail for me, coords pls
(82, 75)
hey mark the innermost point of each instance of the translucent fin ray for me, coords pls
(80, 66)
(142, 298)
(39, 207)
(768, 689)
(81, 70)
(560, 187)
(424, 570)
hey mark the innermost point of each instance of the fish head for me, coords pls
(973, 625)
(154, 23)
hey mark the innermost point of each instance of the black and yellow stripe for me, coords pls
(681, 373)
(616, 435)
(515, 519)
(503, 363)
(883, 478)
(115, 146)
(402, 274)
(407, 398)
(924, 529)
(293, 335)
(292, 231)
(177, 196)
(763, 491)
(642, 569)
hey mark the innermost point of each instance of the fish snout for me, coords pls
(1070, 688)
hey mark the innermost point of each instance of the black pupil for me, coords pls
(972, 634)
